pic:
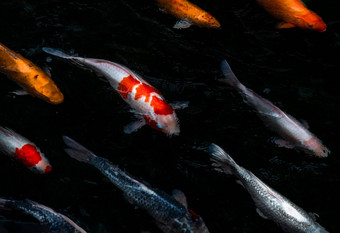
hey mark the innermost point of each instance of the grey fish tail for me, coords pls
(221, 160)
(6, 204)
(229, 76)
(56, 52)
(78, 151)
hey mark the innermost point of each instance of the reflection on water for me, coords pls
(297, 67)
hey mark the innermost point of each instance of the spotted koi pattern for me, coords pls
(146, 100)
(23, 151)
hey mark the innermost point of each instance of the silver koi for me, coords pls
(270, 204)
(170, 212)
(57, 222)
(294, 134)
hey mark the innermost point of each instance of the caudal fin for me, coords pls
(78, 151)
(6, 204)
(221, 160)
(229, 76)
(56, 52)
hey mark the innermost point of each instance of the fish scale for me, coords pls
(269, 202)
(57, 223)
(170, 212)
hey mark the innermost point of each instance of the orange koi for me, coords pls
(188, 13)
(29, 76)
(294, 13)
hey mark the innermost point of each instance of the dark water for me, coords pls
(295, 69)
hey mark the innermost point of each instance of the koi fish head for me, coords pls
(163, 117)
(315, 148)
(167, 124)
(33, 159)
(52, 94)
(207, 20)
(191, 223)
(312, 21)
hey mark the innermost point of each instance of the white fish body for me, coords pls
(295, 135)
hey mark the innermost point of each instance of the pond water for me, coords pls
(297, 70)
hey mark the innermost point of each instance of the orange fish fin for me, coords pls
(285, 25)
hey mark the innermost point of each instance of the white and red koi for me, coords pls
(295, 134)
(23, 150)
(134, 90)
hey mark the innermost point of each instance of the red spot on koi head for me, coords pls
(48, 169)
(193, 215)
(28, 155)
(126, 86)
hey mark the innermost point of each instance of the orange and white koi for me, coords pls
(188, 13)
(294, 13)
(23, 150)
(29, 76)
(140, 95)
(294, 134)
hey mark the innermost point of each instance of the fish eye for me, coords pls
(159, 126)
(310, 25)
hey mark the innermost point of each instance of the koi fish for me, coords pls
(171, 213)
(57, 222)
(29, 76)
(189, 14)
(23, 150)
(294, 13)
(270, 204)
(140, 95)
(294, 134)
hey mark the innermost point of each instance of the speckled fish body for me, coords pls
(29, 76)
(269, 202)
(185, 10)
(294, 13)
(295, 134)
(57, 222)
(24, 151)
(134, 90)
(170, 214)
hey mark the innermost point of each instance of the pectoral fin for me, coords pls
(313, 215)
(20, 92)
(282, 25)
(179, 105)
(134, 126)
(283, 143)
(180, 197)
(261, 214)
(182, 24)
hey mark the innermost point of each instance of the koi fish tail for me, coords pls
(78, 151)
(59, 53)
(221, 160)
(6, 204)
(229, 76)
